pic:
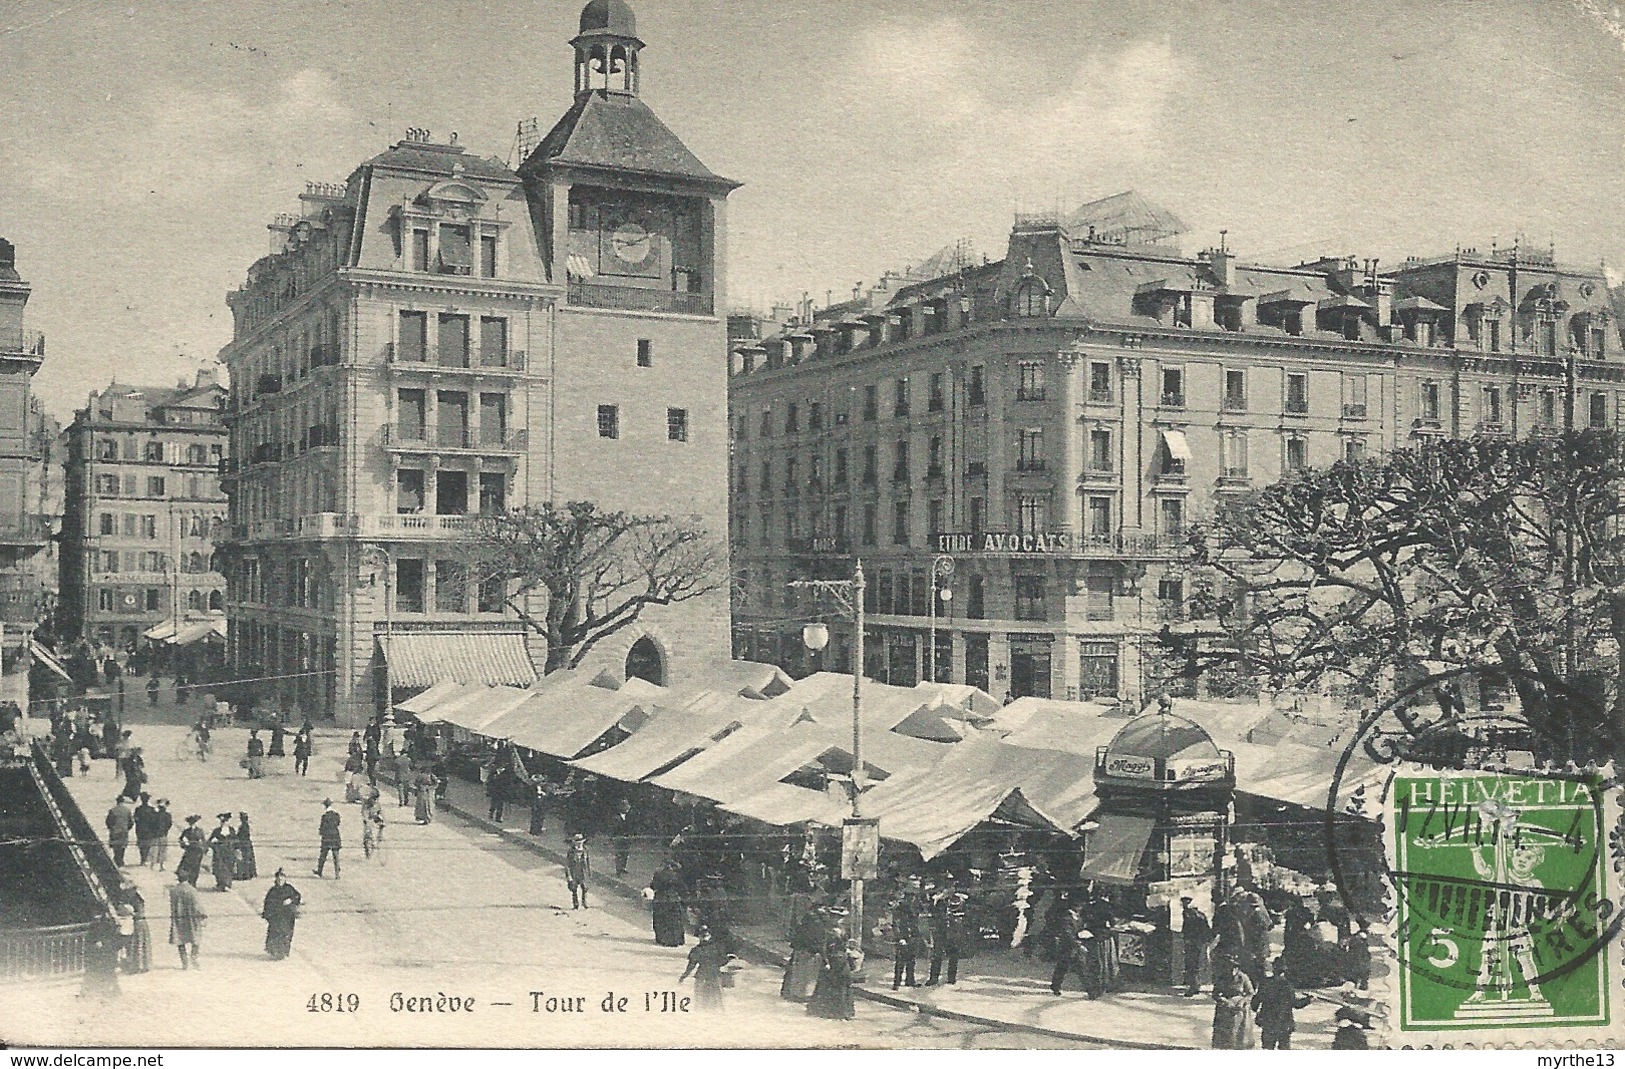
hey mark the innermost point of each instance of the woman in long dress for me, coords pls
(280, 910)
(423, 797)
(806, 958)
(138, 944)
(705, 964)
(223, 854)
(247, 867)
(666, 888)
(832, 997)
(192, 851)
(278, 732)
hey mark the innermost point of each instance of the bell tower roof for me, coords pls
(609, 16)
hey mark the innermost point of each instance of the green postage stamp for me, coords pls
(1507, 899)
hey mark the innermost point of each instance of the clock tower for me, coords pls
(632, 226)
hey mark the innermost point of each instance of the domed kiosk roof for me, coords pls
(609, 16)
(1162, 737)
(1162, 750)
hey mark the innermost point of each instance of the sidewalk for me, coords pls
(997, 989)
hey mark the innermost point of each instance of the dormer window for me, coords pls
(1032, 297)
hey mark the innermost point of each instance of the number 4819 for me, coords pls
(328, 1002)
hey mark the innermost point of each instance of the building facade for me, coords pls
(442, 337)
(25, 527)
(143, 510)
(1047, 426)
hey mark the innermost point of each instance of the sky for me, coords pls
(146, 143)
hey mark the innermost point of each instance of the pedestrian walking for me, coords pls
(119, 822)
(193, 849)
(1068, 945)
(134, 928)
(832, 996)
(496, 789)
(135, 772)
(538, 808)
(1099, 941)
(403, 778)
(1352, 1025)
(620, 835)
(1232, 1006)
(905, 939)
(665, 893)
(186, 917)
(1194, 935)
(223, 853)
(369, 809)
(255, 761)
(278, 735)
(374, 829)
(806, 957)
(577, 870)
(332, 841)
(247, 865)
(160, 840)
(1274, 1004)
(424, 786)
(152, 691)
(705, 964)
(302, 749)
(280, 910)
(146, 829)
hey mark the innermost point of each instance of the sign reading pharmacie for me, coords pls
(1005, 543)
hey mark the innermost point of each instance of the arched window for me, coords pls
(194, 562)
(217, 603)
(1032, 297)
(194, 601)
(645, 661)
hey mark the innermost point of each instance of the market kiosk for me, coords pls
(1166, 803)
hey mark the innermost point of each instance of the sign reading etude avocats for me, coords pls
(1005, 543)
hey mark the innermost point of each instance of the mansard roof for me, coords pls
(620, 132)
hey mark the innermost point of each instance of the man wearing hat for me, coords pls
(146, 828)
(119, 821)
(163, 822)
(1194, 933)
(1352, 1025)
(577, 867)
(186, 917)
(332, 841)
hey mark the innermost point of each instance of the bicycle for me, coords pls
(193, 746)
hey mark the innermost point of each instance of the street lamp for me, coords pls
(941, 568)
(849, 592)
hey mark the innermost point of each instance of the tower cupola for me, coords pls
(607, 48)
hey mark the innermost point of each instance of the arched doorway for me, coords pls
(645, 661)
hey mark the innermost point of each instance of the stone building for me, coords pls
(25, 528)
(1052, 422)
(441, 337)
(142, 512)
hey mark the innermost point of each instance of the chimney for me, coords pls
(207, 378)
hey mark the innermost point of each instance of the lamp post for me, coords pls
(381, 557)
(941, 568)
(849, 592)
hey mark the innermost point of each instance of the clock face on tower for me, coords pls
(632, 242)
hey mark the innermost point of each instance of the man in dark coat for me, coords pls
(1067, 947)
(905, 937)
(280, 910)
(1194, 934)
(146, 829)
(949, 934)
(620, 835)
(119, 822)
(332, 841)
(577, 870)
(1274, 1004)
(186, 917)
(496, 789)
(301, 750)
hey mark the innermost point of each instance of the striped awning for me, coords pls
(422, 659)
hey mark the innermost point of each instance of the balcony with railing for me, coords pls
(18, 341)
(393, 440)
(1353, 411)
(508, 362)
(595, 294)
(1170, 399)
(341, 525)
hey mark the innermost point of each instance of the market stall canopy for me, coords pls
(563, 717)
(1114, 849)
(734, 676)
(477, 707)
(961, 696)
(424, 658)
(419, 704)
(204, 631)
(782, 805)
(672, 735)
(47, 658)
(160, 632)
(747, 761)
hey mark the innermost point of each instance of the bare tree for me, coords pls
(1481, 553)
(598, 570)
